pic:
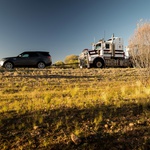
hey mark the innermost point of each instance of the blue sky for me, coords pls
(65, 27)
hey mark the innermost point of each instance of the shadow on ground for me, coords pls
(126, 127)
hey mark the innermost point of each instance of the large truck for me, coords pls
(108, 53)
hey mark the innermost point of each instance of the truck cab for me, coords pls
(108, 53)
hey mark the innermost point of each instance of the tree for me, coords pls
(139, 46)
(139, 49)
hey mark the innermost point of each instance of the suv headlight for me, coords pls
(1, 63)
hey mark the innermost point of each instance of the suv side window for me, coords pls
(34, 55)
(44, 54)
(25, 55)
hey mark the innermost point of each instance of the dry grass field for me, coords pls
(106, 109)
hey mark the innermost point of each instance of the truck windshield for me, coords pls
(98, 46)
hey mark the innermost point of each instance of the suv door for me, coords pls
(33, 58)
(26, 59)
(22, 59)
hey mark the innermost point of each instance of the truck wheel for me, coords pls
(99, 64)
(9, 66)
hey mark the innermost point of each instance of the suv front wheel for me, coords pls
(41, 65)
(8, 65)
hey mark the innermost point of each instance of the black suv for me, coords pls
(39, 59)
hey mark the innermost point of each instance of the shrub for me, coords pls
(139, 46)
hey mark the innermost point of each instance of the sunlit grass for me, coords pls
(59, 102)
